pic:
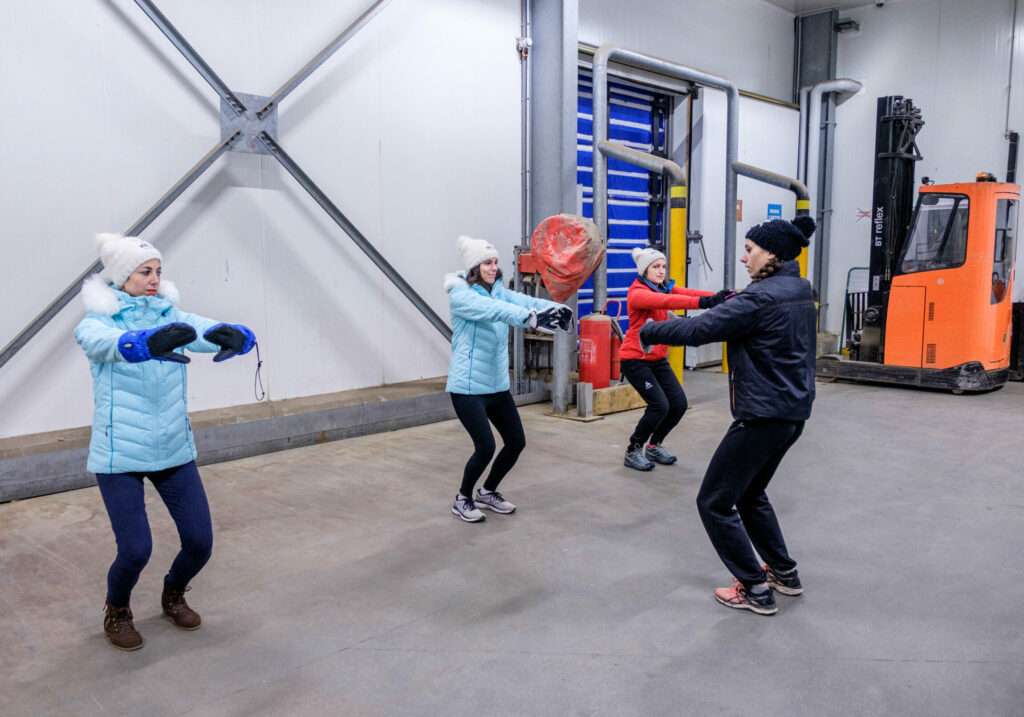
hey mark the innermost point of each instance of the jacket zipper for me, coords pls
(472, 348)
(110, 418)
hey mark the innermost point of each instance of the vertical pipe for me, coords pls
(824, 232)
(600, 174)
(524, 115)
(518, 342)
(819, 180)
(732, 143)
(801, 152)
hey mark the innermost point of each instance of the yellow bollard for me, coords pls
(677, 261)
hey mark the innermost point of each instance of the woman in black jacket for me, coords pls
(771, 332)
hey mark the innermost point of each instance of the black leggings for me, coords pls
(474, 410)
(657, 384)
(732, 502)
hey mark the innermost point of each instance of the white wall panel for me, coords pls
(767, 140)
(746, 41)
(953, 59)
(412, 128)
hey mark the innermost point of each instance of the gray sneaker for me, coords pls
(635, 458)
(466, 509)
(656, 453)
(492, 500)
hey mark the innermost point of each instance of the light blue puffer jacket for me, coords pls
(140, 421)
(480, 322)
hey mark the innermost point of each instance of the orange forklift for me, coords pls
(938, 310)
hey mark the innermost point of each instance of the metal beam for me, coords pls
(321, 57)
(362, 242)
(176, 38)
(44, 317)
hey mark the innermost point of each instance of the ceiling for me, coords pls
(805, 7)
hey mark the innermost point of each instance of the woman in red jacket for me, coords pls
(652, 297)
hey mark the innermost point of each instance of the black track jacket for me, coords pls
(771, 330)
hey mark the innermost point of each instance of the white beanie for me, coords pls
(475, 251)
(645, 257)
(123, 255)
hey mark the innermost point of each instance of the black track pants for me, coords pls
(474, 411)
(666, 403)
(732, 502)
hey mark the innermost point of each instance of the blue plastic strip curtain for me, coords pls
(629, 197)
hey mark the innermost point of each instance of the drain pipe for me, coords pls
(608, 52)
(801, 152)
(523, 43)
(814, 131)
(822, 201)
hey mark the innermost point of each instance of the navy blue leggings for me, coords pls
(182, 492)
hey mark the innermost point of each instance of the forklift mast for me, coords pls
(896, 150)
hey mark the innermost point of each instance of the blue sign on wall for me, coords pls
(775, 211)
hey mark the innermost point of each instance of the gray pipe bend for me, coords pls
(775, 179)
(606, 53)
(650, 162)
(813, 130)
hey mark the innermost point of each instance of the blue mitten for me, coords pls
(159, 343)
(233, 339)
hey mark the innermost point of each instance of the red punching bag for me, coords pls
(566, 249)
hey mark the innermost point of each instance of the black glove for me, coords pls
(706, 302)
(158, 343)
(644, 346)
(564, 317)
(233, 339)
(545, 321)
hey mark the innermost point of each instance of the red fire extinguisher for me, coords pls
(616, 340)
(595, 350)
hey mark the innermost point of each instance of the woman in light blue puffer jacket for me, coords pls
(133, 335)
(482, 309)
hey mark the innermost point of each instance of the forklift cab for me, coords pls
(949, 307)
(938, 309)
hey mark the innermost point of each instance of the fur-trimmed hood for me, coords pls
(458, 278)
(454, 279)
(102, 298)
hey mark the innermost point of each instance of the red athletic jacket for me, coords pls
(642, 303)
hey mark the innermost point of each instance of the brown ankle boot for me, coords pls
(121, 632)
(175, 607)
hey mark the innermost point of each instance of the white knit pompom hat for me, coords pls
(123, 255)
(475, 251)
(645, 257)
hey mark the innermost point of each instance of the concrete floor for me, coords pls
(341, 584)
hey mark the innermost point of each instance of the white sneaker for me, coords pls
(466, 509)
(492, 500)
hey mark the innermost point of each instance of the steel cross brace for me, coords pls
(236, 105)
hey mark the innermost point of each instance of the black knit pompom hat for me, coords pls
(781, 238)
